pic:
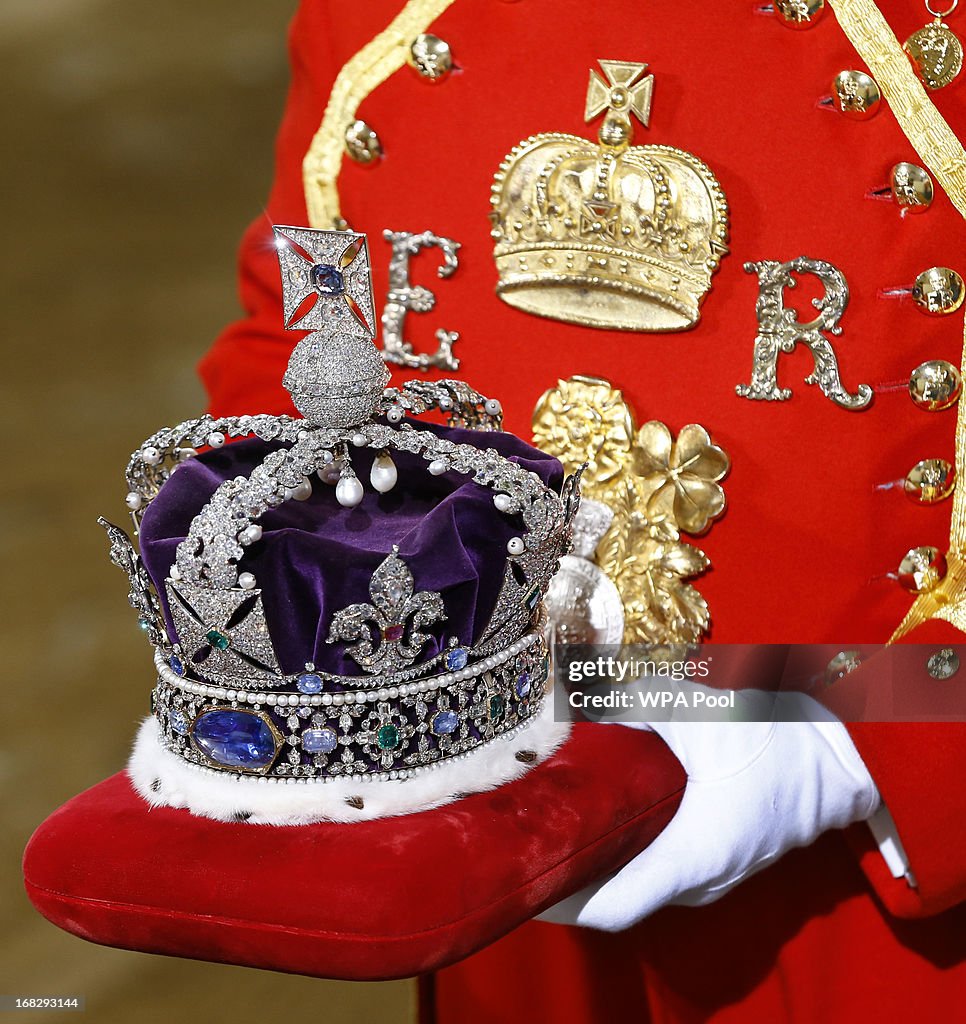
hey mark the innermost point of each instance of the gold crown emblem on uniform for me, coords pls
(608, 234)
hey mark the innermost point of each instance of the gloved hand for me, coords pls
(754, 791)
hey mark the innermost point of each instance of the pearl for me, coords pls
(445, 403)
(175, 573)
(329, 473)
(246, 581)
(395, 414)
(515, 546)
(393, 692)
(337, 698)
(302, 491)
(326, 698)
(348, 491)
(327, 458)
(503, 502)
(251, 534)
(216, 439)
(438, 467)
(383, 475)
(186, 453)
(360, 440)
(492, 407)
(133, 501)
(150, 456)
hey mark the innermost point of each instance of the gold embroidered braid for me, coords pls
(369, 68)
(940, 150)
(923, 125)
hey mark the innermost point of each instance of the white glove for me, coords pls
(754, 791)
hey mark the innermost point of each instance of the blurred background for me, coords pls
(137, 144)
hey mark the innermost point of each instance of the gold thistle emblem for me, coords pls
(608, 234)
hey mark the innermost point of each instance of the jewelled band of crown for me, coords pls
(224, 659)
(608, 235)
(358, 733)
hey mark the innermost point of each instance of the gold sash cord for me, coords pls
(940, 151)
(368, 69)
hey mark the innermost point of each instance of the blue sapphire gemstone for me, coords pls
(177, 666)
(319, 741)
(445, 722)
(523, 685)
(456, 659)
(309, 682)
(179, 723)
(235, 739)
(328, 279)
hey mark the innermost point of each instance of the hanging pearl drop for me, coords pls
(348, 491)
(383, 476)
(329, 473)
(302, 491)
(133, 501)
(246, 581)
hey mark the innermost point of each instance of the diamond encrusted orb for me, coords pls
(336, 380)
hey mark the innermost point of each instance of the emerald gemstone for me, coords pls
(496, 707)
(387, 737)
(217, 639)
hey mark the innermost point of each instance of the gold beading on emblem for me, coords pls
(608, 234)
(657, 486)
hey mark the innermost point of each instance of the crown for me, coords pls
(313, 634)
(608, 235)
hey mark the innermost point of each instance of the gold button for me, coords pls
(935, 385)
(930, 481)
(841, 665)
(938, 291)
(943, 664)
(911, 187)
(800, 13)
(362, 143)
(856, 94)
(430, 56)
(922, 569)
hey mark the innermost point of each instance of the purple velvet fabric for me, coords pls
(316, 557)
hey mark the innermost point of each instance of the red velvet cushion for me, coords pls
(373, 900)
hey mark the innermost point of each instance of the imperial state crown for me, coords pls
(608, 235)
(326, 650)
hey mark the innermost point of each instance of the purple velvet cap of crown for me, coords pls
(316, 557)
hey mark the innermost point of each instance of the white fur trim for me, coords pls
(166, 780)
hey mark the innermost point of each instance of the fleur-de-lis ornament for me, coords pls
(398, 615)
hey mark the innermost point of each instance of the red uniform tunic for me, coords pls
(804, 550)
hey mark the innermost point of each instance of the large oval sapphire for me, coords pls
(235, 739)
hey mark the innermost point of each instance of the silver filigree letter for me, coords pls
(405, 296)
(779, 331)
